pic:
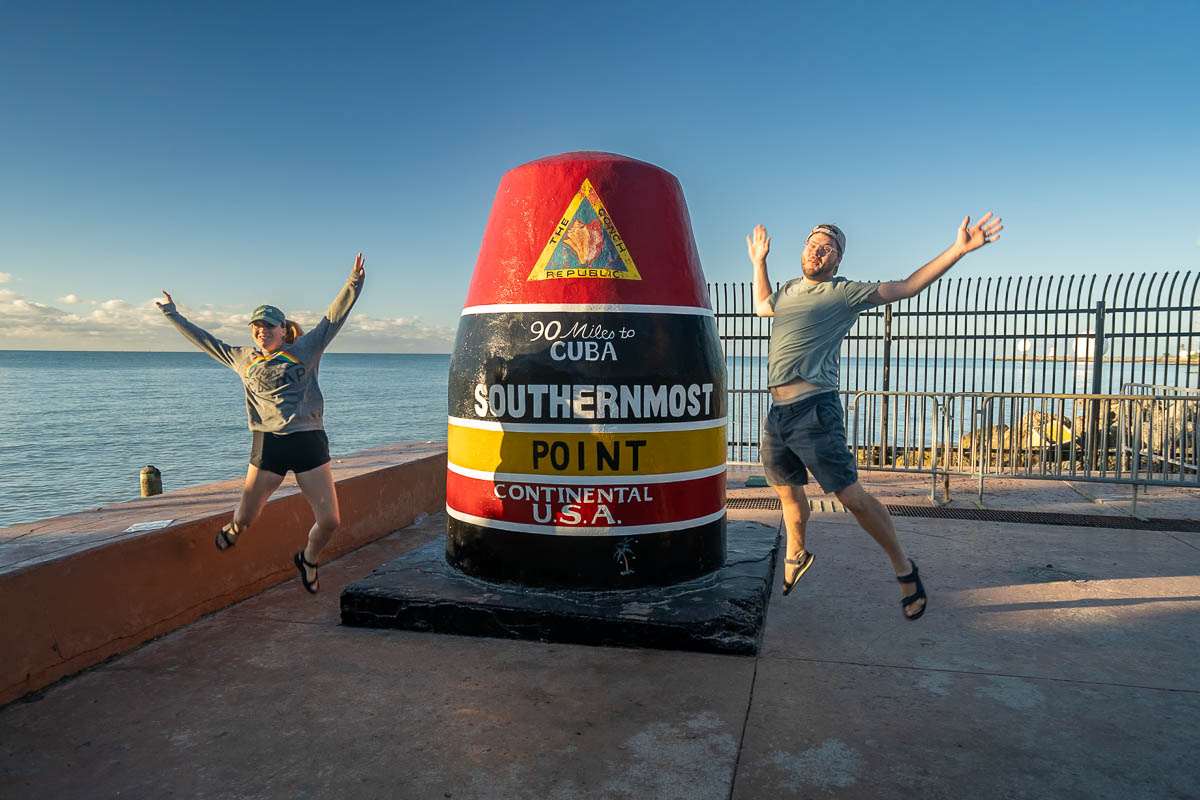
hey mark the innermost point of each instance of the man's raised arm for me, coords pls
(970, 237)
(759, 244)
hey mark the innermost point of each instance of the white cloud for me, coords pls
(119, 325)
(5, 277)
(370, 335)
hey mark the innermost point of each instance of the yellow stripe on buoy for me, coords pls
(566, 453)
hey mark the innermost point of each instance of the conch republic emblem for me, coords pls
(587, 401)
(585, 243)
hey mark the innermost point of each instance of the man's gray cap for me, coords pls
(832, 231)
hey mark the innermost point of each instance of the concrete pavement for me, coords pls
(1054, 662)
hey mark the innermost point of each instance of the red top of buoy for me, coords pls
(592, 228)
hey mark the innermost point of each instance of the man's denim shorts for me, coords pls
(808, 436)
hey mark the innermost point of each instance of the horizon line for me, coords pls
(200, 352)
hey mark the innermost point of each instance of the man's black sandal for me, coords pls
(802, 564)
(301, 562)
(227, 537)
(919, 594)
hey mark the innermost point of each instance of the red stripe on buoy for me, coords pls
(586, 505)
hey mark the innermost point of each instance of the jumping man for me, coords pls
(805, 430)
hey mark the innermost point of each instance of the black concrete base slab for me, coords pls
(722, 612)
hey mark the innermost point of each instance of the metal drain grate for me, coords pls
(1048, 518)
(756, 503)
(772, 504)
(993, 515)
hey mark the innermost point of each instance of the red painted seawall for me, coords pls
(76, 590)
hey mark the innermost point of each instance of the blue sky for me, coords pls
(239, 153)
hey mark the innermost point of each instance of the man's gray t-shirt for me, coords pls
(811, 319)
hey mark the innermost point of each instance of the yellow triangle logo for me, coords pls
(585, 244)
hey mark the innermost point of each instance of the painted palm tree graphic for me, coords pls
(623, 553)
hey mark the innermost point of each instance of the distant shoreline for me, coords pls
(200, 352)
(1106, 359)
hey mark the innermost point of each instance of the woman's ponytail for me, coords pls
(291, 331)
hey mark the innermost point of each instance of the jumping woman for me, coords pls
(285, 408)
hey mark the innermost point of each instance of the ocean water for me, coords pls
(76, 428)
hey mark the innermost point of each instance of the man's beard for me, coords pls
(819, 273)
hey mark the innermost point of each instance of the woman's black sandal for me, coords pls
(802, 564)
(301, 562)
(919, 594)
(227, 537)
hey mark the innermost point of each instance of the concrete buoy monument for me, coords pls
(587, 405)
(585, 485)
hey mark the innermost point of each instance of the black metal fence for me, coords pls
(1069, 334)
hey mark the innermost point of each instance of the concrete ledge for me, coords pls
(78, 589)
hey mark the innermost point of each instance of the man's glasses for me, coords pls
(823, 250)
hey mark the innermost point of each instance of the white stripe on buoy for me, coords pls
(619, 308)
(589, 480)
(570, 530)
(583, 427)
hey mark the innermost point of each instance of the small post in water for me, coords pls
(151, 481)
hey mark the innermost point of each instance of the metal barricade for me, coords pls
(1138, 440)
(1165, 430)
(1134, 440)
(902, 432)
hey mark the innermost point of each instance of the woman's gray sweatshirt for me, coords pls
(282, 395)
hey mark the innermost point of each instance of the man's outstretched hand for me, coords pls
(973, 237)
(758, 244)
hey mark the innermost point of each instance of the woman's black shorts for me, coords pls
(299, 452)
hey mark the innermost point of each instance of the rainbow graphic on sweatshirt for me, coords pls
(278, 355)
